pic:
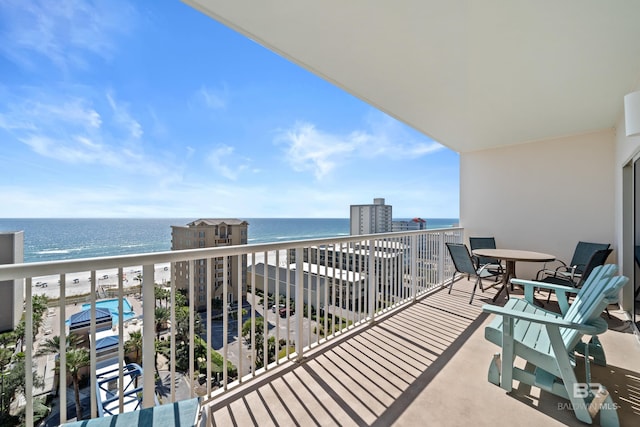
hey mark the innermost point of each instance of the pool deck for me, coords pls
(51, 327)
(113, 307)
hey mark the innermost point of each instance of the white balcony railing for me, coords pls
(320, 288)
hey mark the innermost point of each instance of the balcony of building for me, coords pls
(404, 352)
(424, 363)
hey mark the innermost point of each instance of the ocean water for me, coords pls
(49, 239)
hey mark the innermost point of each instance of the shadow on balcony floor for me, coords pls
(425, 364)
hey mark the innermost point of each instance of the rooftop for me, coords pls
(217, 221)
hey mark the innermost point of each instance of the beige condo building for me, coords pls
(209, 233)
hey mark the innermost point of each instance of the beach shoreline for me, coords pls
(80, 284)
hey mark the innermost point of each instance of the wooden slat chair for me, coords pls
(549, 340)
(566, 291)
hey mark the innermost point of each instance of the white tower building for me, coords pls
(370, 219)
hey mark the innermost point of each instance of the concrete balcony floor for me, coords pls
(424, 364)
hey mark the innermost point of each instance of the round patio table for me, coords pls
(510, 256)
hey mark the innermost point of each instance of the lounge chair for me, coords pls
(548, 341)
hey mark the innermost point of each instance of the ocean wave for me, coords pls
(53, 251)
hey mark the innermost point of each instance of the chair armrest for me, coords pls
(585, 328)
(562, 292)
(536, 284)
(549, 271)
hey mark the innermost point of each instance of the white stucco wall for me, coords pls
(542, 196)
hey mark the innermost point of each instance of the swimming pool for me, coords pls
(112, 306)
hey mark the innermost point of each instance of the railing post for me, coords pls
(299, 303)
(121, 336)
(371, 277)
(191, 339)
(92, 350)
(62, 361)
(210, 274)
(28, 361)
(441, 255)
(414, 269)
(172, 333)
(225, 321)
(148, 336)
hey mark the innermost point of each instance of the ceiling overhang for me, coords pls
(469, 74)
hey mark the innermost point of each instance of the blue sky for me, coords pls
(151, 109)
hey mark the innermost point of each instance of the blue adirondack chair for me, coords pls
(548, 341)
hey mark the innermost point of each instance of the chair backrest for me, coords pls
(483, 243)
(600, 289)
(583, 252)
(599, 257)
(461, 258)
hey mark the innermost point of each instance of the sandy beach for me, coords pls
(80, 283)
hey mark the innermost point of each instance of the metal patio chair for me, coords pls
(485, 243)
(578, 264)
(464, 265)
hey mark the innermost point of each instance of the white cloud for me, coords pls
(70, 129)
(34, 114)
(216, 99)
(124, 119)
(389, 138)
(62, 31)
(309, 149)
(223, 161)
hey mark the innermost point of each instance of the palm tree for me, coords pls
(15, 383)
(162, 315)
(5, 360)
(52, 345)
(162, 294)
(77, 358)
(134, 344)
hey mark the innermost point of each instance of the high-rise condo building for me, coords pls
(11, 291)
(414, 224)
(370, 219)
(209, 233)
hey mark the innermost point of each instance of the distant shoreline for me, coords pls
(54, 239)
